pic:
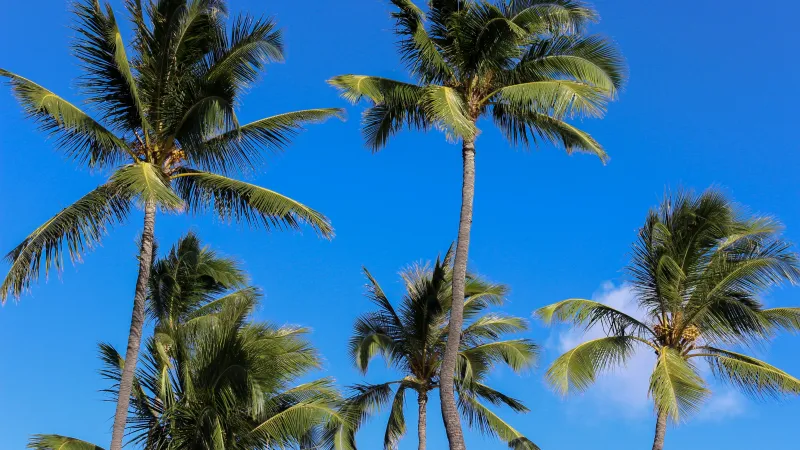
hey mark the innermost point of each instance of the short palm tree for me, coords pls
(412, 339)
(166, 129)
(527, 65)
(698, 269)
(210, 376)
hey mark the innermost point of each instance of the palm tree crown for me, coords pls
(412, 338)
(526, 64)
(166, 125)
(698, 269)
(210, 376)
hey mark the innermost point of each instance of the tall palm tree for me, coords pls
(166, 130)
(698, 269)
(412, 339)
(526, 64)
(211, 377)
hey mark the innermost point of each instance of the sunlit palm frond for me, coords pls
(480, 417)
(145, 182)
(75, 230)
(77, 134)
(750, 375)
(396, 425)
(786, 319)
(578, 368)
(56, 442)
(241, 148)
(109, 80)
(675, 386)
(589, 313)
(234, 200)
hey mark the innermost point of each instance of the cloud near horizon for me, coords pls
(624, 390)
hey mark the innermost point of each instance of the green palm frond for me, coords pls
(551, 16)
(252, 44)
(447, 110)
(77, 134)
(75, 230)
(480, 417)
(396, 426)
(480, 390)
(675, 386)
(421, 53)
(491, 327)
(578, 368)
(354, 88)
(146, 182)
(56, 442)
(589, 313)
(557, 99)
(750, 375)
(523, 127)
(245, 203)
(518, 354)
(591, 59)
(787, 319)
(109, 80)
(241, 147)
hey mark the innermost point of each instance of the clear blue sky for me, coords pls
(710, 102)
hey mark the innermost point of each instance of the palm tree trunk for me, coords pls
(450, 414)
(661, 431)
(422, 400)
(137, 323)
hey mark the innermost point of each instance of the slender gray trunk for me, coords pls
(661, 431)
(422, 400)
(137, 323)
(452, 420)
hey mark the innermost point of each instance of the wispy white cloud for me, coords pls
(624, 391)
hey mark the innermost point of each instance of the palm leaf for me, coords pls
(590, 313)
(447, 110)
(675, 386)
(752, 376)
(56, 442)
(244, 202)
(78, 135)
(78, 227)
(578, 368)
(396, 426)
(109, 79)
(241, 147)
(146, 182)
(479, 416)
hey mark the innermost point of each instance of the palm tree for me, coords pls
(210, 376)
(168, 132)
(698, 269)
(526, 64)
(412, 339)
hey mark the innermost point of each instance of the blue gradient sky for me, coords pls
(710, 102)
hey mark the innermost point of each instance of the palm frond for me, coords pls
(396, 426)
(578, 368)
(77, 134)
(75, 230)
(556, 98)
(109, 79)
(57, 442)
(241, 147)
(522, 126)
(675, 386)
(750, 375)
(146, 182)
(244, 202)
(448, 111)
(480, 417)
(590, 313)
(787, 319)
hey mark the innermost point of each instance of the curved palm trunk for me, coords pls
(137, 323)
(450, 414)
(422, 400)
(661, 431)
